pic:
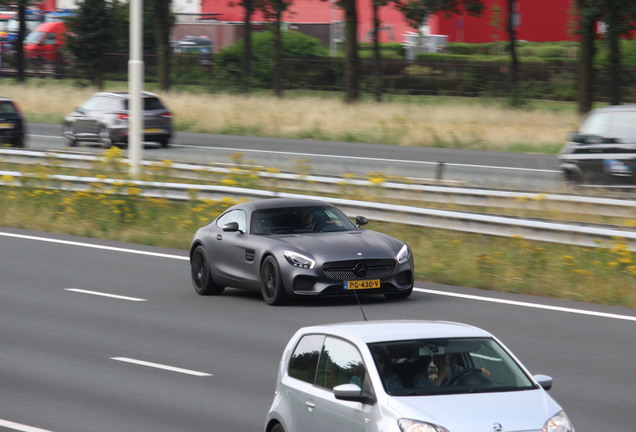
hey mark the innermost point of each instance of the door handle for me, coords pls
(219, 237)
(310, 405)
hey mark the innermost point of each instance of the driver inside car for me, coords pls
(440, 372)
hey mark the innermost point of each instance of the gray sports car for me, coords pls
(288, 248)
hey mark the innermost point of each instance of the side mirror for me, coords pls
(231, 227)
(544, 381)
(576, 137)
(351, 392)
(361, 220)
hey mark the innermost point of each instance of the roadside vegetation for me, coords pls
(605, 274)
(428, 121)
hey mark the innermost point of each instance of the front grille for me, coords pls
(359, 269)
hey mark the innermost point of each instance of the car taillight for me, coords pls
(167, 115)
(122, 116)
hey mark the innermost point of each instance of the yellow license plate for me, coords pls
(150, 130)
(6, 125)
(362, 284)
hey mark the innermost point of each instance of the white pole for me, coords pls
(135, 87)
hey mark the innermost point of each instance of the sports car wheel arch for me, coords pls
(201, 276)
(272, 287)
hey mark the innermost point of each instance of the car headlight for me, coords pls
(408, 425)
(298, 260)
(558, 423)
(403, 255)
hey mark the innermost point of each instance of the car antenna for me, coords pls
(360, 304)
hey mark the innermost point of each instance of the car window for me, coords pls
(92, 103)
(622, 127)
(233, 216)
(110, 104)
(292, 220)
(152, 103)
(445, 366)
(50, 39)
(7, 107)
(595, 125)
(304, 360)
(34, 37)
(340, 363)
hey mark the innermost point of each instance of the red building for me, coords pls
(538, 20)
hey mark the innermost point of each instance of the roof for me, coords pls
(378, 331)
(268, 203)
(123, 94)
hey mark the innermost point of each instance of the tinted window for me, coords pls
(292, 220)
(340, 363)
(150, 104)
(304, 360)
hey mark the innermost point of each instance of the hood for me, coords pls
(334, 246)
(480, 412)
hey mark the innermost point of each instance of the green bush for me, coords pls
(295, 44)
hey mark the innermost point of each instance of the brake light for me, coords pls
(167, 115)
(122, 116)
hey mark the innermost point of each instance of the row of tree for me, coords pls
(100, 26)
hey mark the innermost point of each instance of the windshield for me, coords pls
(447, 366)
(298, 220)
(34, 37)
(615, 127)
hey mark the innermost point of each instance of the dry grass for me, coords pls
(474, 124)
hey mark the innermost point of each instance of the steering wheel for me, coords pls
(320, 226)
(461, 373)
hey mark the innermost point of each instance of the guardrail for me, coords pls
(431, 192)
(589, 236)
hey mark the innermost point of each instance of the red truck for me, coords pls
(45, 42)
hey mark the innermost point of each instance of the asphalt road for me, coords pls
(499, 170)
(160, 358)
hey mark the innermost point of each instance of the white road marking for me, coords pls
(105, 294)
(160, 366)
(428, 291)
(20, 427)
(329, 156)
(95, 246)
(525, 304)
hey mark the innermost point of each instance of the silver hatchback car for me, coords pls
(103, 118)
(408, 376)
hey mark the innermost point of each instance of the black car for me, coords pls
(11, 124)
(288, 247)
(603, 150)
(103, 118)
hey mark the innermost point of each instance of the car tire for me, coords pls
(17, 143)
(201, 276)
(277, 428)
(400, 295)
(68, 136)
(163, 143)
(104, 138)
(271, 284)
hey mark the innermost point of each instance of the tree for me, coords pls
(416, 11)
(163, 22)
(619, 16)
(377, 57)
(352, 62)
(274, 9)
(90, 36)
(514, 60)
(588, 15)
(19, 46)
